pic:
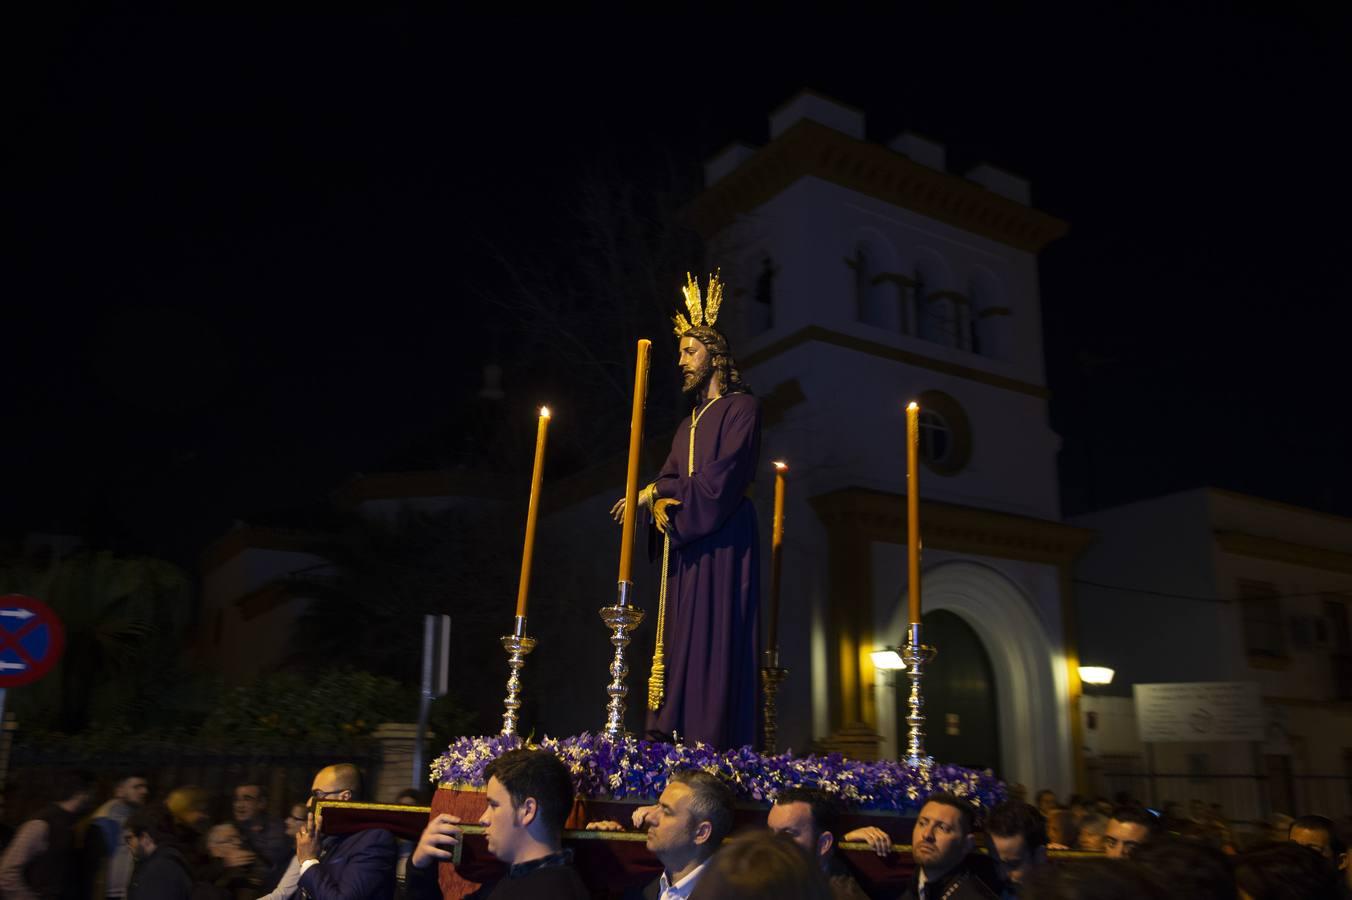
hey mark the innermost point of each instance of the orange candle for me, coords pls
(533, 510)
(776, 557)
(635, 445)
(913, 509)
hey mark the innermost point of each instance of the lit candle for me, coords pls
(776, 559)
(913, 509)
(532, 511)
(635, 445)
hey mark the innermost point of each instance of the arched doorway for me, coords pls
(1032, 695)
(962, 719)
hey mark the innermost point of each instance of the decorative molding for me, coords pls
(1260, 547)
(809, 149)
(886, 351)
(880, 516)
(1278, 504)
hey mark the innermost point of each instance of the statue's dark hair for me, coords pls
(720, 357)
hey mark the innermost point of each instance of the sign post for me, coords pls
(31, 641)
(436, 664)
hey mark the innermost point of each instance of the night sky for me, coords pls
(243, 252)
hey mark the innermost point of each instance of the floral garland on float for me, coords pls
(632, 769)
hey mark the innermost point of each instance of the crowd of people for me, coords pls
(130, 849)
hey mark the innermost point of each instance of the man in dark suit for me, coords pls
(358, 866)
(941, 844)
(529, 794)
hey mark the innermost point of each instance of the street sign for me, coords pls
(31, 640)
(1199, 711)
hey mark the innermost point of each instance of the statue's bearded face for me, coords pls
(697, 366)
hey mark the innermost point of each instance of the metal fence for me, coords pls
(1241, 798)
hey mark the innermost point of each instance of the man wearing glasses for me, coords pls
(261, 833)
(358, 866)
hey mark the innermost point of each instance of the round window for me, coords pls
(936, 438)
(945, 434)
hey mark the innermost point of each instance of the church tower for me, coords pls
(864, 276)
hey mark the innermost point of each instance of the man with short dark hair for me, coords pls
(1321, 836)
(1018, 840)
(1128, 828)
(108, 858)
(260, 833)
(690, 821)
(40, 862)
(941, 842)
(529, 795)
(162, 872)
(357, 866)
(811, 819)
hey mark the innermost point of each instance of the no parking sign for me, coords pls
(31, 640)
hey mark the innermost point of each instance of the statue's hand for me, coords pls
(645, 500)
(662, 510)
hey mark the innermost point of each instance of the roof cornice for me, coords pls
(810, 149)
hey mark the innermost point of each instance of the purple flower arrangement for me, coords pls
(635, 769)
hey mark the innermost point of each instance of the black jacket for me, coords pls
(163, 875)
(961, 883)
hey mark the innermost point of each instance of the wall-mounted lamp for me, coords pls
(887, 659)
(1096, 675)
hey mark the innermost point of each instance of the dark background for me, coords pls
(244, 252)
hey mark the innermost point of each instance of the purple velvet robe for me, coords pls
(713, 588)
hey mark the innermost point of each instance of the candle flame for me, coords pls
(544, 412)
(780, 465)
(912, 405)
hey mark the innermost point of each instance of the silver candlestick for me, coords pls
(621, 619)
(518, 646)
(772, 676)
(916, 655)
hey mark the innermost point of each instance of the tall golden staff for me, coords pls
(624, 617)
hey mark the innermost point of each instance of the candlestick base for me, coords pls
(621, 619)
(518, 646)
(772, 676)
(916, 654)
